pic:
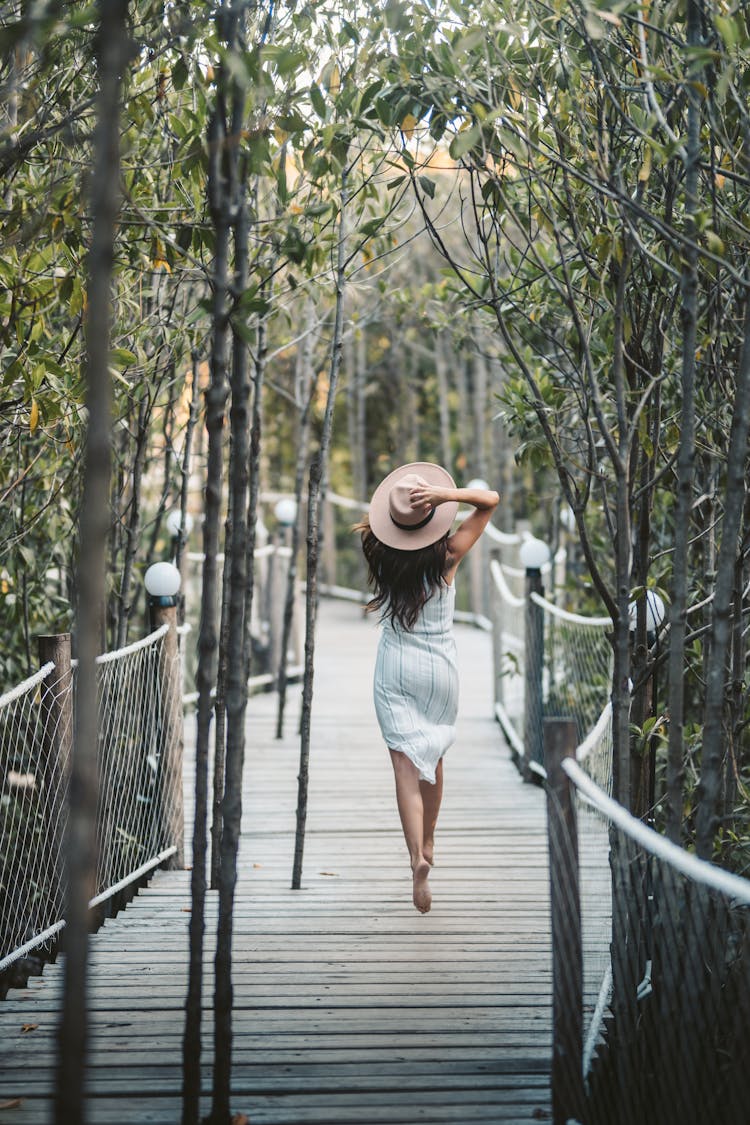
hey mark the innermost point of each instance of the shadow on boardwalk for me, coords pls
(349, 1005)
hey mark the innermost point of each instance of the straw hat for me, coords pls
(393, 520)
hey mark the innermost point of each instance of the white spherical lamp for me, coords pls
(174, 523)
(162, 582)
(534, 554)
(285, 511)
(655, 612)
(477, 482)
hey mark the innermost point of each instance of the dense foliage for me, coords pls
(548, 220)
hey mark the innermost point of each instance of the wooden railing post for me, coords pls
(567, 955)
(533, 734)
(171, 815)
(56, 705)
(496, 616)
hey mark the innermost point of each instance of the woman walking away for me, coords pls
(412, 560)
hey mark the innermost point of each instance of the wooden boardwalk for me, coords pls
(350, 1006)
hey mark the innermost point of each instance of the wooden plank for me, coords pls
(350, 1006)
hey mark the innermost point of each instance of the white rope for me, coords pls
(260, 553)
(509, 730)
(347, 502)
(27, 685)
(595, 734)
(733, 886)
(52, 931)
(602, 1003)
(502, 586)
(505, 538)
(199, 557)
(573, 618)
(136, 646)
(132, 877)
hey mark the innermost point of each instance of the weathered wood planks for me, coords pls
(350, 1006)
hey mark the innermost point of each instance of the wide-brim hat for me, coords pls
(392, 519)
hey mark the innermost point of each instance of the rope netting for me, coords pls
(674, 992)
(32, 809)
(137, 798)
(577, 664)
(575, 675)
(138, 795)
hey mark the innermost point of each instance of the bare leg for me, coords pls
(411, 811)
(432, 795)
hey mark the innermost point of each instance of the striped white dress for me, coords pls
(416, 684)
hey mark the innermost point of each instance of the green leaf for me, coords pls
(121, 357)
(318, 101)
(464, 141)
(427, 185)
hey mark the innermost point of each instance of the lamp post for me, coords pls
(178, 531)
(534, 554)
(162, 582)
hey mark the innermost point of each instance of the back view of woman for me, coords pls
(412, 560)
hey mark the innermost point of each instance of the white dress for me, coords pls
(416, 683)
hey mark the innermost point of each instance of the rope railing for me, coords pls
(548, 661)
(677, 1008)
(139, 812)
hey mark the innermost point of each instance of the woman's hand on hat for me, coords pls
(427, 496)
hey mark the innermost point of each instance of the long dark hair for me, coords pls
(402, 580)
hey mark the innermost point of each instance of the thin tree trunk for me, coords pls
(686, 452)
(192, 421)
(360, 369)
(166, 487)
(709, 786)
(311, 601)
(480, 411)
(113, 50)
(220, 700)
(441, 371)
(134, 520)
(219, 205)
(309, 383)
(236, 684)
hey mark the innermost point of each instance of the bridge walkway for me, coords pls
(350, 1007)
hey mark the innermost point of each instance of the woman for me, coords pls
(412, 560)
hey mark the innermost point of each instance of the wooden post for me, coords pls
(56, 706)
(496, 616)
(533, 734)
(171, 815)
(476, 563)
(277, 577)
(567, 955)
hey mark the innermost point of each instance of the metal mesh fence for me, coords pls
(139, 703)
(673, 1045)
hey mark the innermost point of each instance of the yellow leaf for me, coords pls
(645, 171)
(34, 415)
(162, 264)
(280, 134)
(408, 126)
(335, 83)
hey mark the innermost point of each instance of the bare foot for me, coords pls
(422, 897)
